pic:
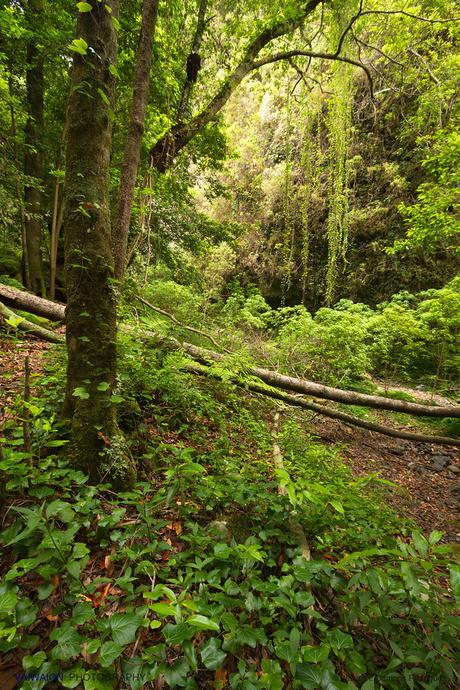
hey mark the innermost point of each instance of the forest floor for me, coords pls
(425, 477)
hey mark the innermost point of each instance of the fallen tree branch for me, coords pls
(349, 419)
(29, 327)
(163, 312)
(20, 299)
(318, 390)
(274, 379)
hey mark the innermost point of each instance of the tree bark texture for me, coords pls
(135, 133)
(91, 316)
(34, 152)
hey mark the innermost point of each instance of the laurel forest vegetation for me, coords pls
(230, 344)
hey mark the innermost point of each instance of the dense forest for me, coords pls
(230, 344)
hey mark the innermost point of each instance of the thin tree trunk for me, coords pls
(34, 151)
(193, 62)
(19, 191)
(97, 444)
(135, 133)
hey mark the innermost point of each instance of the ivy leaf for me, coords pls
(203, 623)
(315, 654)
(176, 634)
(113, 71)
(211, 654)
(81, 393)
(109, 652)
(103, 386)
(124, 626)
(84, 7)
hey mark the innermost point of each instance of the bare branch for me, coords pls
(311, 54)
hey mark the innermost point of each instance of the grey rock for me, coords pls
(455, 489)
(439, 462)
(421, 387)
(454, 468)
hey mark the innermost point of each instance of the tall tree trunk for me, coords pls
(135, 134)
(97, 444)
(34, 152)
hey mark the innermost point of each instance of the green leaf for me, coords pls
(124, 626)
(202, 623)
(14, 321)
(68, 642)
(340, 640)
(454, 571)
(337, 506)
(103, 386)
(163, 609)
(420, 542)
(109, 652)
(113, 71)
(176, 634)
(82, 613)
(61, 510)
(104, 96)
(84, 7)
(115, 399)
(314, 655)
(211, 654)
(79, 45)
(81, 393)
(7, 602)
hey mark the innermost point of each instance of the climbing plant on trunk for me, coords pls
(97, 444)
(34, 152)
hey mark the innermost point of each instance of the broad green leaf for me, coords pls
(163, 609)
(79, 45)
(176, 634)
(84, 7)
(202, 623)
(455, 582)
(81, 393)
(337, 506)
(211, 654)
(314, 655)
(103, 386)
(124, 627)
(109, 652)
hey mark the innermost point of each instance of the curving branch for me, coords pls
(164, 151)
(312, 54)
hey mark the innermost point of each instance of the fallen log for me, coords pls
(19, 299)
(349, 419)
(29, 327)
(37, 305)
(310, 388)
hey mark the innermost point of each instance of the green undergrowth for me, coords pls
(194, 578)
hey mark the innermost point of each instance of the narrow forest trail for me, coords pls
(426, 477)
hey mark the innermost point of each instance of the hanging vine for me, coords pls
(288, 238)
(310, 163)
(338, 123)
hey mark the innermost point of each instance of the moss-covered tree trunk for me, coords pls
(34, 153)
(97, 444)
